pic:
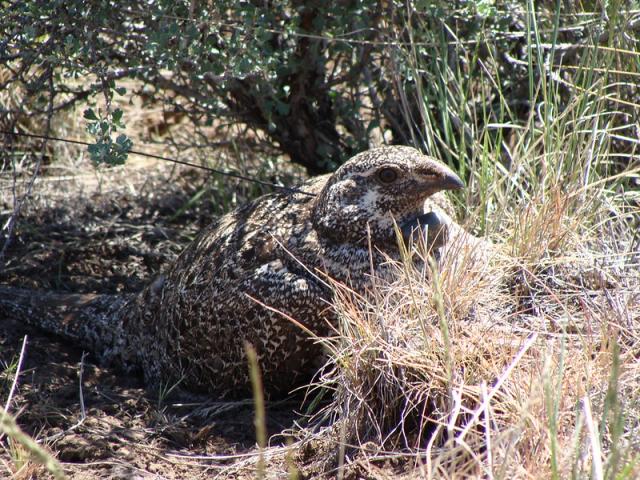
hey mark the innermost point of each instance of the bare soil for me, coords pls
(109, 232)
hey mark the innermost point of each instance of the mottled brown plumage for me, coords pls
(191, 323)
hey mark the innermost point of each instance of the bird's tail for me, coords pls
(92, 322)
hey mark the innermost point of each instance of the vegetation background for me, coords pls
(524, 365)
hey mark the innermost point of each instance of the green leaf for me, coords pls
(89, 114)
(117, 115)
(124, 142)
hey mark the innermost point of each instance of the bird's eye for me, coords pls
(387, 175)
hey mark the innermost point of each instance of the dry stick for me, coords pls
(258, 397)
(456, 409)
(18, 204)
(83, 411)
(487, 428)
(286, 316)
(9, 427)
(273, 451)
(482, 408)
(14, 384)
(428, 455)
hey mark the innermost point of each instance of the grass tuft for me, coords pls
(517, 355)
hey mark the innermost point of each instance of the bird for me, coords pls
(257, 275)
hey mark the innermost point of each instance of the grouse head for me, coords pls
(373, 189)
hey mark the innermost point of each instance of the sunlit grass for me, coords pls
(514, 358)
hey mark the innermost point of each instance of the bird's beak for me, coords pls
(451, 181)
(440, 176)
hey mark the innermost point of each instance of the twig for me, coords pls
(83, 412)
(476, 415)
(19, 203)
(14, 384)
(487, 428)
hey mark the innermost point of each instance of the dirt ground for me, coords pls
(112, 232)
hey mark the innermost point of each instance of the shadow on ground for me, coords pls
(110, 237)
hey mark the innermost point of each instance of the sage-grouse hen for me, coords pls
(191, 324)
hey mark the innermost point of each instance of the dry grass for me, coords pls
(513, 359)
(519, 355)
(25, 453)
